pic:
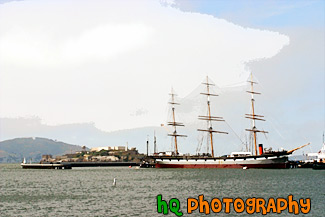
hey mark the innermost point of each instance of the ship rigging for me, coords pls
(269, 159)
(209, 118)
(174, 123)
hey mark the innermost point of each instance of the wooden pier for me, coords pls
(45, 166)
(69, 165)
(100, 164)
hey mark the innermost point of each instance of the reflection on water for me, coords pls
(89, 191)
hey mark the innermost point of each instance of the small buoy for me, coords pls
(244, 168)
(114, 182)
(130, 166)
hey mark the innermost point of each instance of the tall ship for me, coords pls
(256, 158)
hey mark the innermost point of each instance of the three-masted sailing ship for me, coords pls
(257, 158)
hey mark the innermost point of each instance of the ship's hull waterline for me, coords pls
(249, 163)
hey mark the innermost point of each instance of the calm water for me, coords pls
(89, 191)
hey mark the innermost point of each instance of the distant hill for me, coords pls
(14, 150)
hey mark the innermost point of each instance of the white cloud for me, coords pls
(103, 59)
(103, 42)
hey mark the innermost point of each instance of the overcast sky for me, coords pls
(114, 62)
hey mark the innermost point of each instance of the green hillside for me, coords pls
(14, 150)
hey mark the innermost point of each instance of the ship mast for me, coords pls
(254, 116)
(154, 143)
(174, 123)
(210, 118)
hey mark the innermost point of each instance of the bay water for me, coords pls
(89, 191)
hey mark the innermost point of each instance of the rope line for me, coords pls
(235, 133)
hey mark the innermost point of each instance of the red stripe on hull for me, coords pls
(232, 166)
